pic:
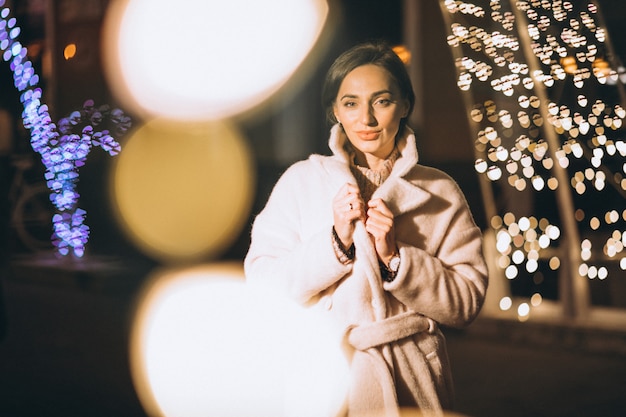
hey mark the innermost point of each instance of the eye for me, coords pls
(349, 103)
(383, 102)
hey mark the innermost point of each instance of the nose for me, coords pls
(367, 116)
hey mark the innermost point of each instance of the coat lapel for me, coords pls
(399, 193)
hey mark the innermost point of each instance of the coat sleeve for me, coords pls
(280, 254)
(446, 279)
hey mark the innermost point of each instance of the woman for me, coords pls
(388, 247)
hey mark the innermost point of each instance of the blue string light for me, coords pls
(63, 148)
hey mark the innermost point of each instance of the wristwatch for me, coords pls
(389, 273)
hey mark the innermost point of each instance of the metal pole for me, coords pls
(499, 286)
(574, 289)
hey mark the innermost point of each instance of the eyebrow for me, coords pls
(375, 94)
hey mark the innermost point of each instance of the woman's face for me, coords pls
(369, 106)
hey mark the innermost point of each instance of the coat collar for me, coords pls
(397, 191)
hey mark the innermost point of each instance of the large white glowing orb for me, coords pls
(183, 191)
(193, 59)
(206, 344)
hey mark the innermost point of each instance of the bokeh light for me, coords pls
(204, 343)
(202, 59)
(506, 303)
(523, 311)
(546, 153)
(183, 191)
(69, 51)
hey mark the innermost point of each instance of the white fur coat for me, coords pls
(397, 352)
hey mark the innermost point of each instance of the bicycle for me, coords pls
(30, 207)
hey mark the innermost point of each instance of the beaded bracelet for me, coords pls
(344, 255)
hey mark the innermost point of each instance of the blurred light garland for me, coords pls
(62, 151)
(585, 109)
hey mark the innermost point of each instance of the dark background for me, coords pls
(64, 332)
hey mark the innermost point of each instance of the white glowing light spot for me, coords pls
(207, 59)
(523, 310)
(481, 166)
(584, 127)
(511, 272)
(577, 150)
(538, 182)
(491, 133)
(599, 184)
(528, 171)
(518, 257)
(203, 340)
(532, 265)
(583, 269)
(566, 122)
(611, 149)
(506, 303)
(503, 241)
(524, 223)
(526, 161)
(502, 153)
(544, 241)
(494, 173)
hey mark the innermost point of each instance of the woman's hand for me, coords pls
(348, 206)
(380, 226)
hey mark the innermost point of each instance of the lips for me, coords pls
(368, 134)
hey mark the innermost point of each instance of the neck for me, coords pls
(372, 161)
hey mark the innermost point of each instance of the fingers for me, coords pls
(380, 225)
(379, 206)
(348, 203)
(348, 206)
(353, 197)
(379, 217)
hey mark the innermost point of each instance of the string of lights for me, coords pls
(63, 148)
(584, 109)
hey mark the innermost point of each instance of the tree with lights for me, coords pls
(63, 147)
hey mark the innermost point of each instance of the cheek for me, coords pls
(345, 115)
(391, 118)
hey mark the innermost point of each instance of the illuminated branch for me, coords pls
(63, 148)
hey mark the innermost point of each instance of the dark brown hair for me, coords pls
(375, 53)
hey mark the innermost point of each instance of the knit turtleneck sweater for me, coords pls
(368, 179)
